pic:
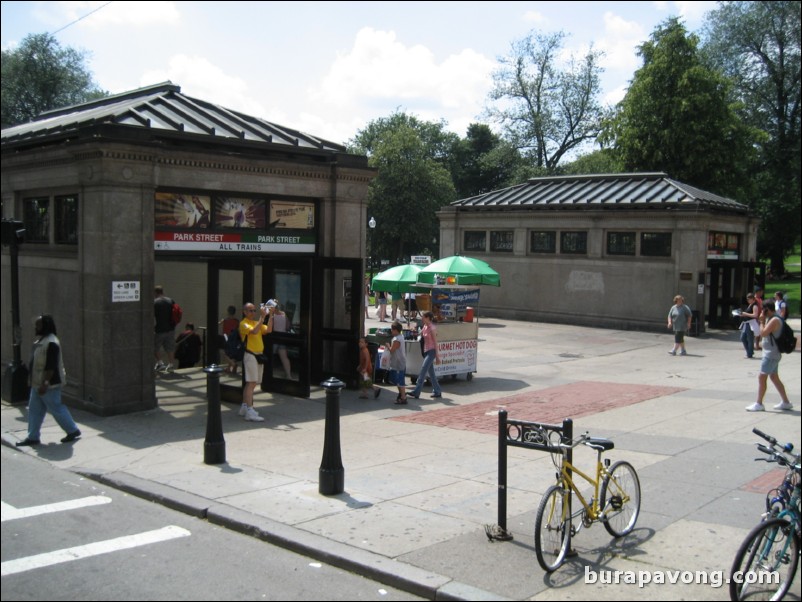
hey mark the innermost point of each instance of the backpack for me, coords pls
(786, 342)
(176, 313)
(235, 346)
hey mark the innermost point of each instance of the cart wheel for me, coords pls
(470, 375)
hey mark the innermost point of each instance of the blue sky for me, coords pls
(330, 68)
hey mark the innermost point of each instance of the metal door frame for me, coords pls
(729, 283)
(323, 335)
(301, 340)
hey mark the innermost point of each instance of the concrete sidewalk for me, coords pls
(421, 479)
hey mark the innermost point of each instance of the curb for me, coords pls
(394, 573)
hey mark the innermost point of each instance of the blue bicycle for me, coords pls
(767, 560)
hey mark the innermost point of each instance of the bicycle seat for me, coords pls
(603, 444)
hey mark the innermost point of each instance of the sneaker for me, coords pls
(252, 416)
(755, 407)
(168, 368)
(159, 366)
(672, 352)
(683, 352)
(785, 405)
(242, 409)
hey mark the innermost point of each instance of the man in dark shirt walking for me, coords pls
(165, 330)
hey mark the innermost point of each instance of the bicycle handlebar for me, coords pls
(764, 449)
(788, 447)
(768, 438)
(779, 457)
(581, 439)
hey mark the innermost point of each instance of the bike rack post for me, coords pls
(567, 438)
(502, 477)
(531, 435)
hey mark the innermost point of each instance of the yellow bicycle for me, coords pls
(615, 501)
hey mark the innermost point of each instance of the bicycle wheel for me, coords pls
(621, 488)
(552, 529)
(766, 562)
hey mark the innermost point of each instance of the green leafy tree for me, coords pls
(482, 162)
(597, 162)
(757, 44)
(412, 183)
(546, 108)
(677, 117)
(41, 75)
(436, 140)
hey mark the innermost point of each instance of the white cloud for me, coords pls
(200, 78)
(533, 16)
(380, 68)
(619, 43)
(692, 12)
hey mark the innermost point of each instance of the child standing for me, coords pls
(398, 362)
(365, 370)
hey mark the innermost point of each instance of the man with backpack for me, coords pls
(769, 367)
(165, 329)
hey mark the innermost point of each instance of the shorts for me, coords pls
(166, 340)
(679, 336)
(398, 378)
(365, 383)
(769, 365)
(253, 369)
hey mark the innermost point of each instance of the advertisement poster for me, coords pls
(723, 245)
(293, 215)
(188, 222)
(234, 212)
(182, 210)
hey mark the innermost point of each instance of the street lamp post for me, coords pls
(372, 225)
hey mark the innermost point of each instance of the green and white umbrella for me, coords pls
(466, 270)
(400, 279)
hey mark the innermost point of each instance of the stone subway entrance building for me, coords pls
(155, 187)
(607, 250)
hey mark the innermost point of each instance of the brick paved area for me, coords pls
(550, 405)
(765, 482)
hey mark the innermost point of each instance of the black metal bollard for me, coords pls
(214, 448)
(332, 473)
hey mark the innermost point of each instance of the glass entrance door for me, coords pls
(230, 284)
(287, 347)
(337, 289)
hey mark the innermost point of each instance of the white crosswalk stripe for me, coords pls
(11, 567)
(9, 512)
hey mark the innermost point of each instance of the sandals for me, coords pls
(401, 401)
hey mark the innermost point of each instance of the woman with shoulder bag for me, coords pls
(749, 323)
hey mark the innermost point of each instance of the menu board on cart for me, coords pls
(456, 357)
(450, 303)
